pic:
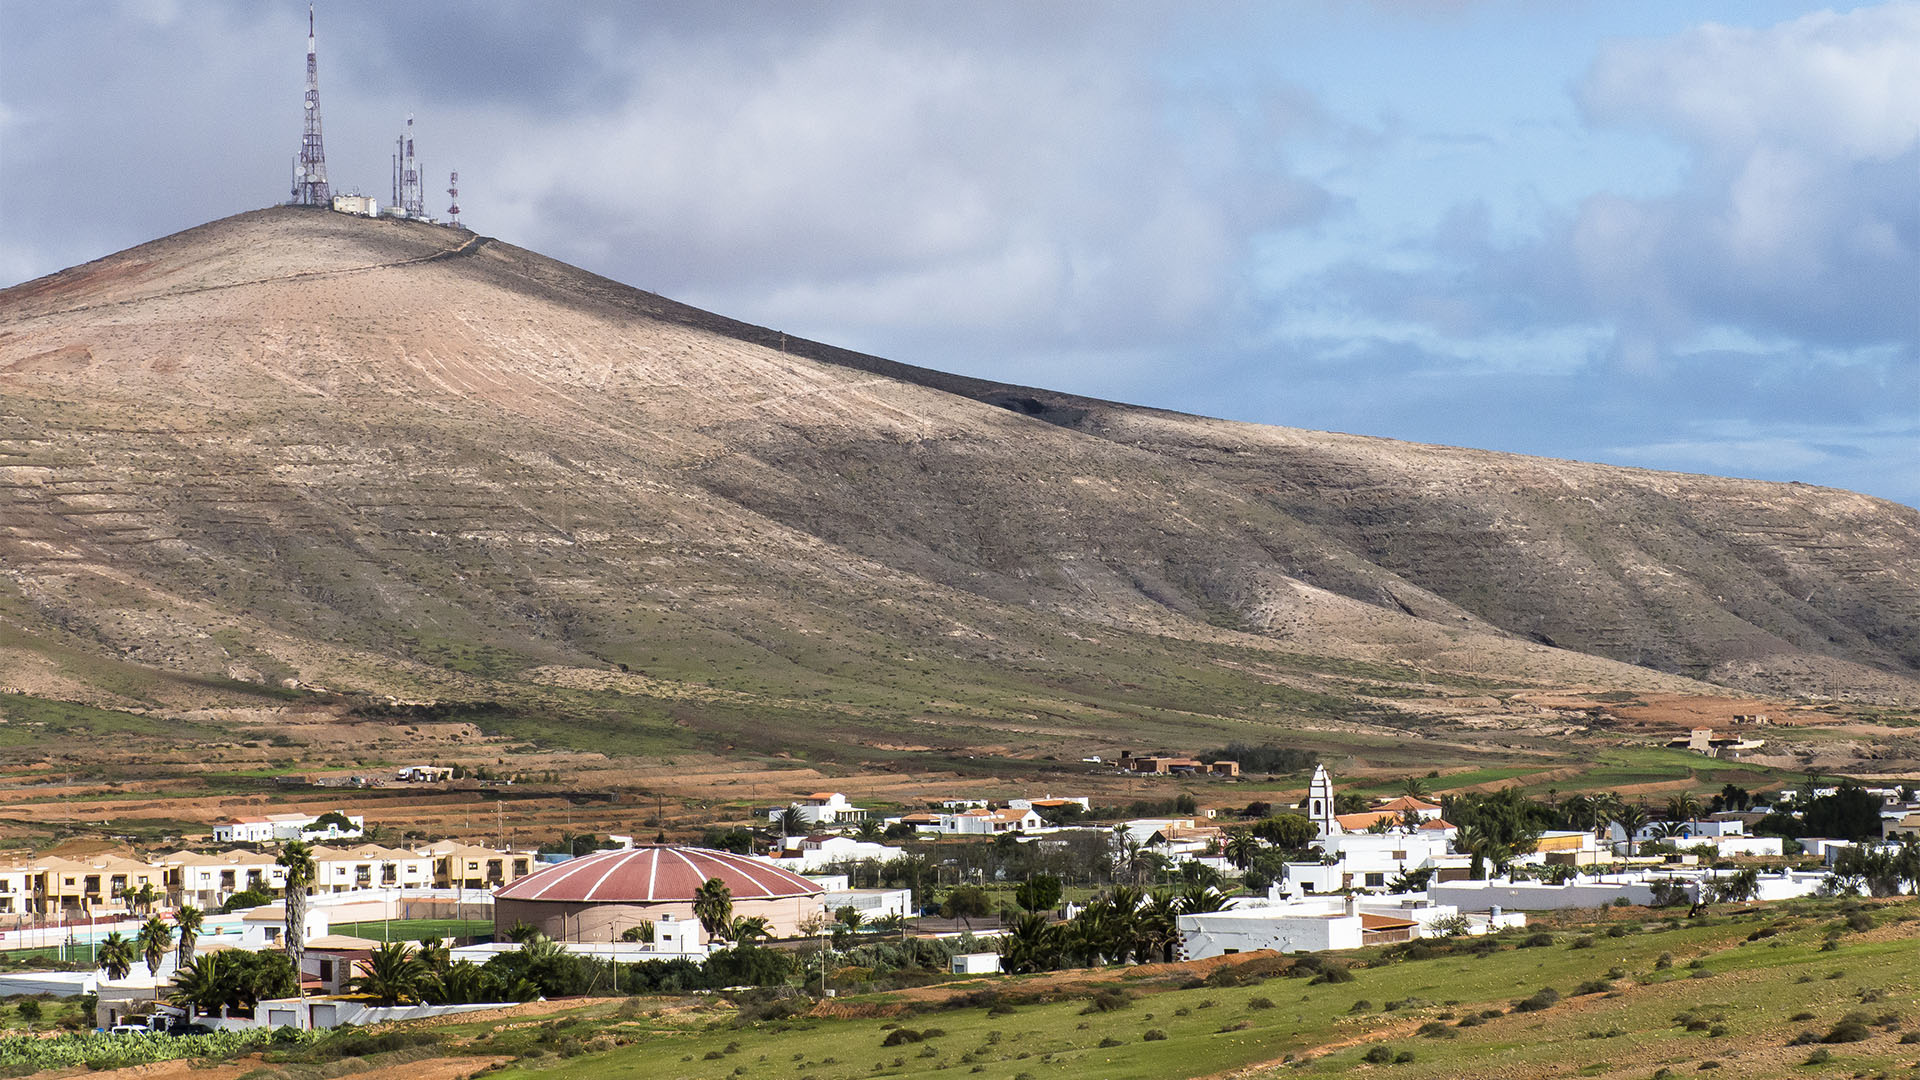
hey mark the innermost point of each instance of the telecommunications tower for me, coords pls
(310, 170)
(453, 192)
(408, 196)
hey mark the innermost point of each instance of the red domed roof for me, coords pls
(656, 874)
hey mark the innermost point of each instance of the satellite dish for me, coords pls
(309, 104)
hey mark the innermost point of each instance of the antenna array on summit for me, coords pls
(310, 186)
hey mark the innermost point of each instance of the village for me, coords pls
(169, 941)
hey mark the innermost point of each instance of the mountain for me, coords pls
(293, 448)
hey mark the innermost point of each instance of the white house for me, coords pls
(983, 822)
(265, 927)
(870, 903)
(1373, 860)
(809, 853)
(1050, 802)
(820, 808)
(1331, 922)
(1292, 928)
(277, 827)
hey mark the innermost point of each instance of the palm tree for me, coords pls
(792, 823)
(1092, 936)
(297, 857)
(465, 983)
(1592, 812)
(1413, 787)
(189, 920)
(1632, 818)
(713, 906)
(1683, 807)
(116, 956)
(1158, 925)
(748, 929)
(434, 955)
(1031, 944)
(153, 941)
(394, 974)
(1472, 840)
(1198, 900)
(1242, 848)
(201, 985)
(893, 923)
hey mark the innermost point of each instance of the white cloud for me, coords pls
(1834, 86)
(891, 175)
(1798, 213)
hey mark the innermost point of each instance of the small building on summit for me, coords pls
(601, 896)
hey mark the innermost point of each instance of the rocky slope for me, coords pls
(298, 446)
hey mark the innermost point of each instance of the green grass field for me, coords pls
(414, 929)
(1631, 1021)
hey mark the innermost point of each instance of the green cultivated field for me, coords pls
(1624, 1012)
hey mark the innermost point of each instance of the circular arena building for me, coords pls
(600, 896)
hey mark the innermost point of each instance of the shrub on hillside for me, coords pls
(1544, 998)
(1851, 1028)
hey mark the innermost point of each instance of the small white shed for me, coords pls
(977, 963)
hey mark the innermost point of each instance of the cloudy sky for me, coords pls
(1684, 236)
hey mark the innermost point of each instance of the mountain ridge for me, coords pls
(297, 446)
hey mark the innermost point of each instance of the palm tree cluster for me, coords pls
(1125, 925)
(1495, 828)
(394, 974)
(232, 979)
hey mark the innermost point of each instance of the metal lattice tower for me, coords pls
(408, 193)
(453, 192)
(310, 172)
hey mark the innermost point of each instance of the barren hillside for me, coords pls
(294, 447)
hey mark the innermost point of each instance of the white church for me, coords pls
(1369, 849)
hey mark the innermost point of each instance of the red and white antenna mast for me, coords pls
(310, 175)
(453, 192)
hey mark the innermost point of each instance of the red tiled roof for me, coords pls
(1436, 823)
(656, 873)
(1407, 802)
(1364, 820)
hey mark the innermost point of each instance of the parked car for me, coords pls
(129, 1029)
(181, 1027)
